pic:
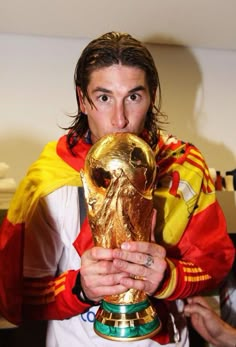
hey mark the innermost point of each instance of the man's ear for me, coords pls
(81, 99)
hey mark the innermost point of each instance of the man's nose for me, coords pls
(119, 118)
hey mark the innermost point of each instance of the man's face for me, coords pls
(121, 100)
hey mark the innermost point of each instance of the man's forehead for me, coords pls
(116, 74)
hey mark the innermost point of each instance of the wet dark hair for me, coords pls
(115, 48)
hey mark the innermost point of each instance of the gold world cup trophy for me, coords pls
(118, 180)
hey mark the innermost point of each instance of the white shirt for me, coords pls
(48, 248)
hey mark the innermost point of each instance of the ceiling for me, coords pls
(197, 23)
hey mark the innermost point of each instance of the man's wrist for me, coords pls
(79, 292)
(228, 338)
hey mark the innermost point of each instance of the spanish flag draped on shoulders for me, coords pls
(56, 167)
(190, 224)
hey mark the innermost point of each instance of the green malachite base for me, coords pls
(127, 322)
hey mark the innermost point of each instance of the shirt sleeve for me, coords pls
(190, 223)
(43, 245)
(51, 264)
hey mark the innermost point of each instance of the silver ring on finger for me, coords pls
(149, 261)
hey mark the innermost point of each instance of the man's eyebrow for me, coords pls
(136, 89)
(101, 89)
(104, 90)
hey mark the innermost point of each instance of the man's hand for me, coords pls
(99, 275)
(144, 262)
(208, 324)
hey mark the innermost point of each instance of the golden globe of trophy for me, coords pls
(118, 180)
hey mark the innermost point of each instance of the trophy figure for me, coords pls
(118, 180)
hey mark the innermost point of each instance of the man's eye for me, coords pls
(103, 98)
(133, 97)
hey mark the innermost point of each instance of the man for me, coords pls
(65, 276)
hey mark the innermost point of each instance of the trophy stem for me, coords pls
(126, 322)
